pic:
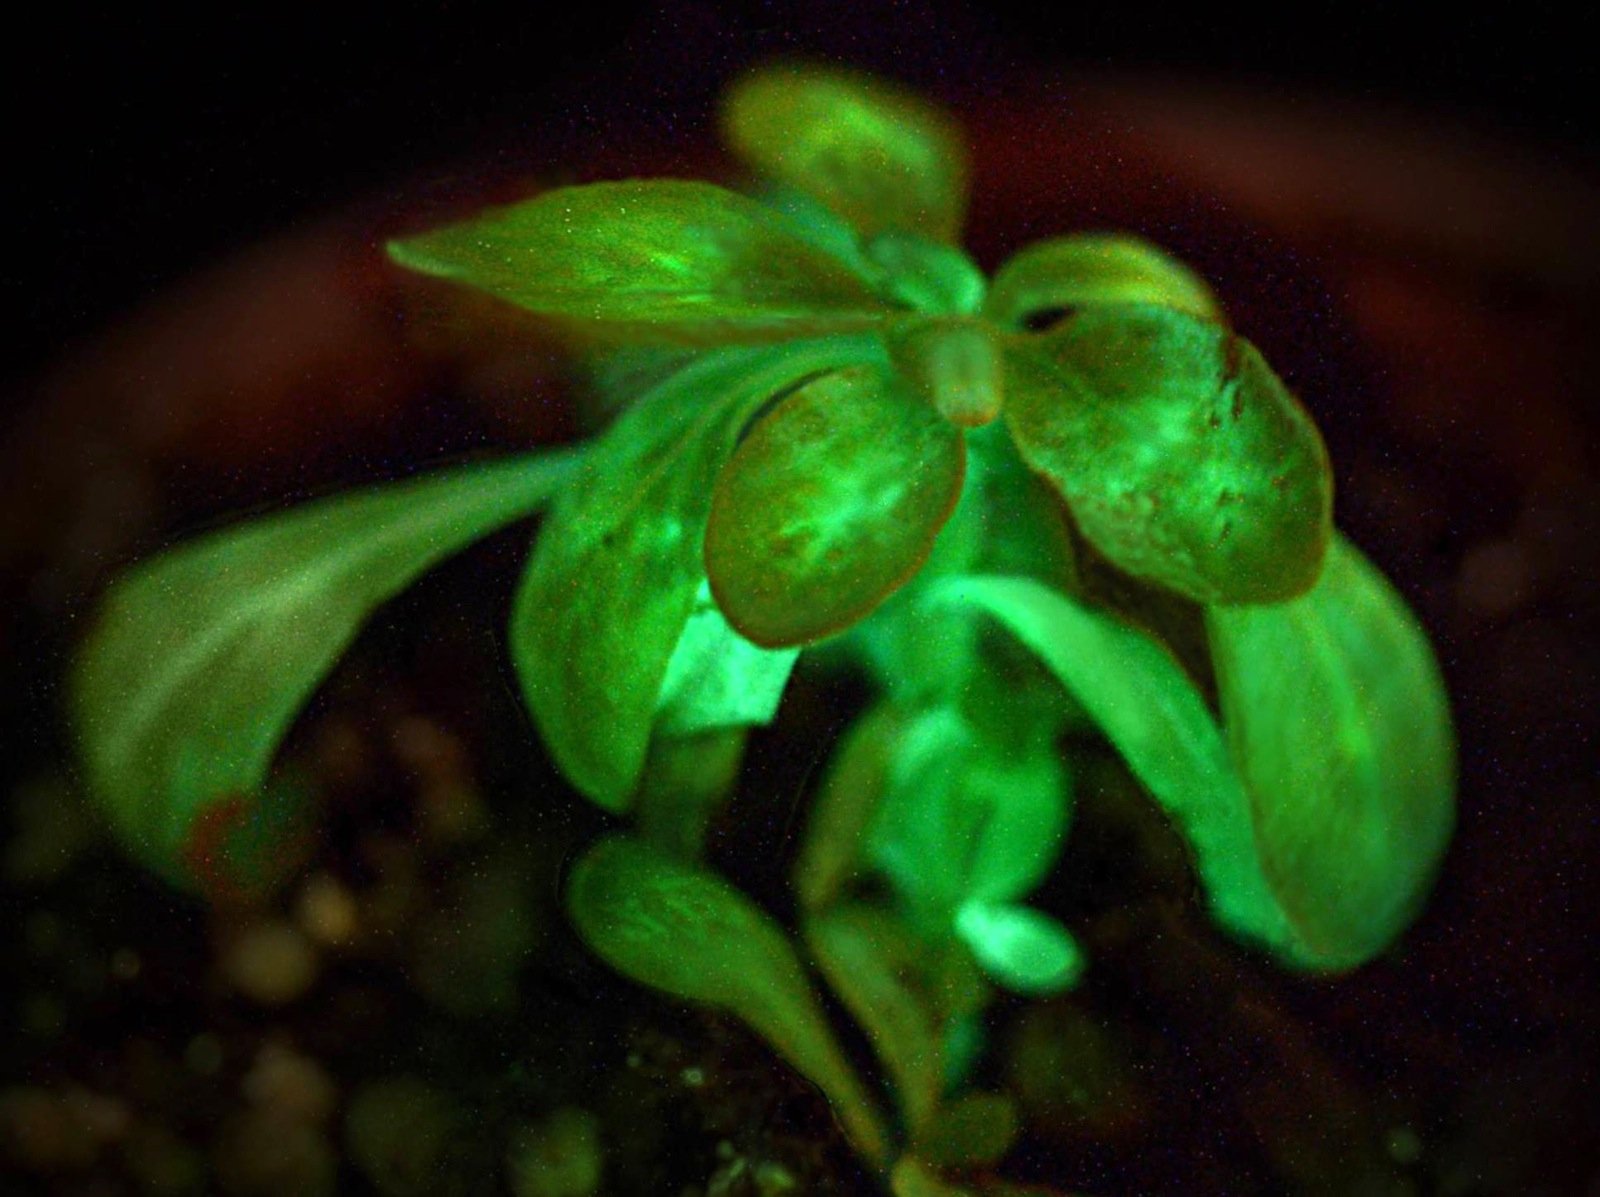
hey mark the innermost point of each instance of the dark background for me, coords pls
(145, 143)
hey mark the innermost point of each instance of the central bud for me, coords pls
(954, 361)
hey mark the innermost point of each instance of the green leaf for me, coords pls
(975, 1130)
(611, 585)
(844, 808)
(1059, 276)
(876, 154)
(965, 817)
(831, 503)
(1027, 952)
(686, 931)
(874, 962)
(202, 657)
(670, 259)
(1182, 456)
(1339, 725)
(716, 678)
(1338, 719)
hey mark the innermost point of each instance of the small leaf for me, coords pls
(872, 962)
(1338, 720)
(964, 817)
(686, 931)
(831, 503)
(1182, 456)
(974, 1130)
(844, 808)
(670, 259)
(202, 657)
(877, 155)
(611, 585)
(716, 678)
(1023, 950)
(1059, 276)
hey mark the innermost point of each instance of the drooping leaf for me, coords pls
(1339, 723)
(1182, 456)
(202, 657)
(879, 156)
(683, 930)
(1022, 949)
(830, 504)
(1320, 843)
(668, 258)
(716, 678)
(611, 584)
(1059, 276)
(873, 961)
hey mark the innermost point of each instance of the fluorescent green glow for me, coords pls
(717, 678)
(1024, 950)
(873, 962)
(880, 157)
(686, 931)
(1317, 825)
(830, 504)
(202, 657)
(668, 259)
(1337, 717)
(1090, 270)
(1183, 458)
(927, 276)
(613, 576)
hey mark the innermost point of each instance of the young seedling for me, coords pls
(857, 443)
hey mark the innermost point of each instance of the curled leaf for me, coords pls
(1318, 824)
(879, 156)
(1059, 276)
(668, 258)
(830, 504)
(1184, 459)
(610, 588)
(683, 930)
(201, 658)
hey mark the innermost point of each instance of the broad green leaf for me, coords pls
(670, 259)
(686, 931)
(1022, 949)
(611, 585)
(831, 503)
(1182, 456)
(873, 962)
(1339, 722)
(716, 678)
(202, 657)
(1321, 840)
(1059, 276)
(879, 156)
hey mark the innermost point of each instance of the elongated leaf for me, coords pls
(611, 584)
(1022, 949)
(669, 258)
(202, 656)
(1338, 720)
(686, 931)
(830, 857)
(1325, 856)
(1057, 277)
(873, 963)
(1183, 458)
(877, 155)
(831, 503)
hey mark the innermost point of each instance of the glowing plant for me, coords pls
(858, 440)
